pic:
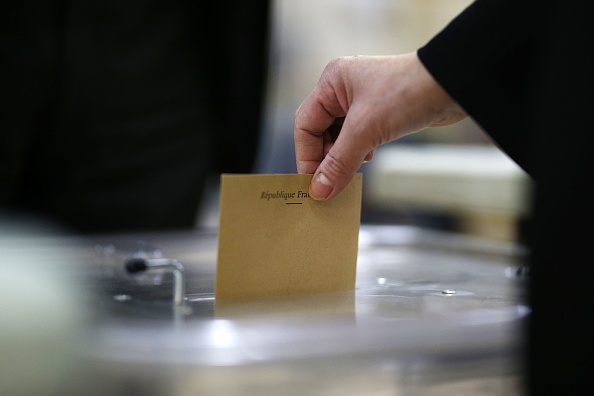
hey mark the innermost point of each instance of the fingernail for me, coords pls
(368, 157)
(320, 187)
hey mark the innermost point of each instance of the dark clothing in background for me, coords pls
(115, 112)
(518, 68)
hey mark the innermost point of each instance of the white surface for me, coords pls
(459, 178)
(41, 319)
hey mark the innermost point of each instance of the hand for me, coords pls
(361, 102)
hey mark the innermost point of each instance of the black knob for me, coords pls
(136, 265)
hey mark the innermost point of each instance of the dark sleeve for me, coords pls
(522, 73)
(485, 59)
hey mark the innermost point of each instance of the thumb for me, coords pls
(340, 164)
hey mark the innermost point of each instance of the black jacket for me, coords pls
(115, 112)
(520, 70)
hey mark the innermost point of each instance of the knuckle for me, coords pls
(335, 169)
(335, 65)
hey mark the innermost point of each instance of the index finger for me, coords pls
(312, 120)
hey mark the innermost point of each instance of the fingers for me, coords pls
(341, 162)
(327, 142)
(334, 155)
(313, 131)
(369, 156)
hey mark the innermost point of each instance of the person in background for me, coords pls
(520, 70)
(114, 113)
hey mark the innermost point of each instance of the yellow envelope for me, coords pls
(339, 306)
(275, 241)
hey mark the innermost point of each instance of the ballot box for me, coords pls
(432, 312)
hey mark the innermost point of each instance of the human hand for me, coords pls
(359, 103)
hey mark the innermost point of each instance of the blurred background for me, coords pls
(121, 116)
(450, 178)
